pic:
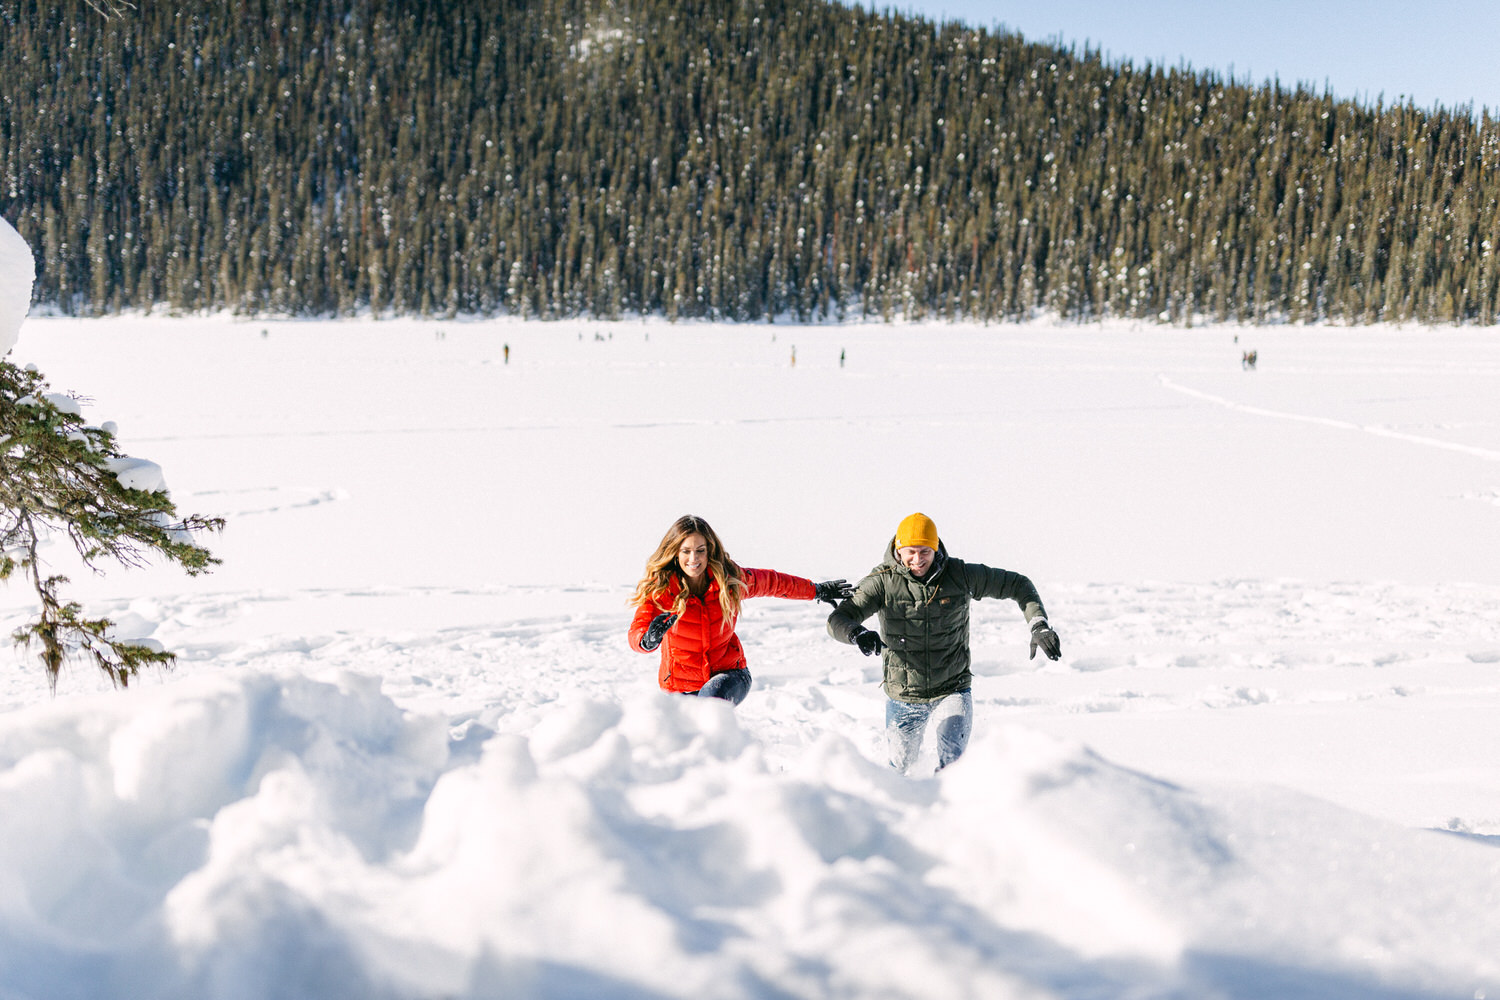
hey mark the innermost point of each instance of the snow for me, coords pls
(137, 473)
(406, 751)
(17, 271)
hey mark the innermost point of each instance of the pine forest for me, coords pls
(747, 160)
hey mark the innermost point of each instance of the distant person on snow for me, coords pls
(922, 596)
(689, 601)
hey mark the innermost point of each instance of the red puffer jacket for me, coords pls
(699, 644)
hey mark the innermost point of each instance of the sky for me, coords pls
(1435, 52)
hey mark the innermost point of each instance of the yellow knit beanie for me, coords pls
(917, 529)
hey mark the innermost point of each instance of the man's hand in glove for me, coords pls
(1043, 638)
(833, 591)
(868, 641)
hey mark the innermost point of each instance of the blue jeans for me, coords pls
(905, 722)
(731, 685)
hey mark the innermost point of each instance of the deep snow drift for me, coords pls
(406, 752)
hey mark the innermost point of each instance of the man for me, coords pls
(922, 596)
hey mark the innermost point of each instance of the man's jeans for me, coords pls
(731, 685)
(905, 721)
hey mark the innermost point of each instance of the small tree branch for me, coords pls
(110, 9)
(57, 477)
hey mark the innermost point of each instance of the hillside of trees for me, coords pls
(740, 160)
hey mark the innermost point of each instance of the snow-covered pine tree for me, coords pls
(60, 477)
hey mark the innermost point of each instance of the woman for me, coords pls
(688, 603)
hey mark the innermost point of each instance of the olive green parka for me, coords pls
(925, 622)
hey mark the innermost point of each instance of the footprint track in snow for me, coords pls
(267, 499)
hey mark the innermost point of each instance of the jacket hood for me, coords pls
(677, 584)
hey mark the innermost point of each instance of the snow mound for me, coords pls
(17, 272)
(137, 473)
(253, 835)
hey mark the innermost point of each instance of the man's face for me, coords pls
(917, 558)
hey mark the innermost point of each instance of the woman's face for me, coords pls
(692, 557)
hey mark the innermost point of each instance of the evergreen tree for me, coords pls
(61, 477)
(740, 160)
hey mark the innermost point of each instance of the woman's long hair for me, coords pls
(662, 568)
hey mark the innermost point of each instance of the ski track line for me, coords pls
(1483, 453)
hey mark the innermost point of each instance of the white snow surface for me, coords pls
(17, 272)
(406, 751)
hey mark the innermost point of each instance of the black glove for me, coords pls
(868, 641)
(1042, 637)
(833, 591)
(656, 630)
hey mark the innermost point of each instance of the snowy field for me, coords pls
(407, 753)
